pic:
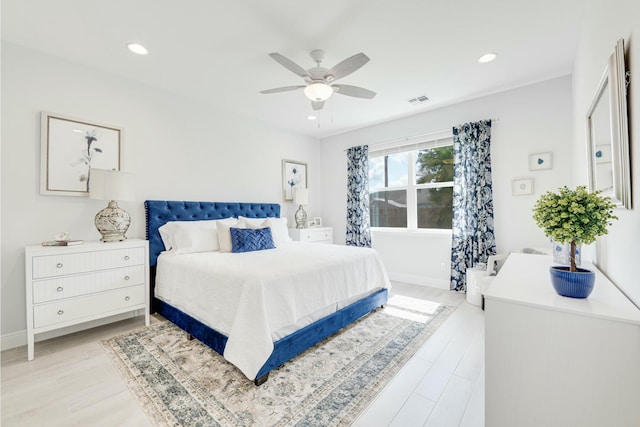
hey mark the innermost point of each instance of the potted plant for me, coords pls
(574, 217)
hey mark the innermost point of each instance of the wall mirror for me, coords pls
(608, 133)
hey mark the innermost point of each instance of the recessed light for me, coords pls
(311, 117)
(487, 57)
(137, 48)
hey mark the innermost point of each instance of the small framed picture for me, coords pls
(539, 161)
(603, 154)
(317, 221)
(521, 186)
(311, 224)
(294, 175)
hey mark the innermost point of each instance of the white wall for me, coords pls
(178, 149)
(604, 22)
(532, 119)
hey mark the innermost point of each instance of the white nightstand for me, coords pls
(67, 285)
(312, 235)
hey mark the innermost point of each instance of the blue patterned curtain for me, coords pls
(473, 239)
(358, 232)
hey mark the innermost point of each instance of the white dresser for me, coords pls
(312, 235)
(557, 361)
(76, 284)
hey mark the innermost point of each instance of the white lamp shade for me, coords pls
(318, 91)
(300, 196)
(110, 185)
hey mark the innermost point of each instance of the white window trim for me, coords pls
(411, 188)
(404, 231)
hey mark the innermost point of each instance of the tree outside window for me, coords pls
(412, 189)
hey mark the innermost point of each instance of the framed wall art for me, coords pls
(539, 161)
(70, 147)
(294, 175)
(521, 186)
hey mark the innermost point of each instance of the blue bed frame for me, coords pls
(158, 212)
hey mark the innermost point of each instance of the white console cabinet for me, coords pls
(312, 235)
(69, 285)
(558, 361)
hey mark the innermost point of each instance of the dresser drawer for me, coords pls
(87, 306)
(312, 235)
(87, 283)
(316, 236)
(70, 263)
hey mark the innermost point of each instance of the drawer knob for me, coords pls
(127, 298)
(60, 312)
(126, 277)
(60, 289)
(59, 265)
(126, 257)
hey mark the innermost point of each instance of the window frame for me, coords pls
(445, 139)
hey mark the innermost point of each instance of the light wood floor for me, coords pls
(72, 383)
(443, 384)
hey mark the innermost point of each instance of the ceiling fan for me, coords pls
(319, 80)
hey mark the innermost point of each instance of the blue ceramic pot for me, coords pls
(574, 285)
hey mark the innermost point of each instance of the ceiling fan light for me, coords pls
(318, 92)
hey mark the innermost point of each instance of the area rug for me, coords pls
(184, 383)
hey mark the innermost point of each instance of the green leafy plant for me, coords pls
(574, 216)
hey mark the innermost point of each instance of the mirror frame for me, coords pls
(614, 80)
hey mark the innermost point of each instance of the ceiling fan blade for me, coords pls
(281, 89)
(317, 105)
(289, 64)
(358, 92)
(347, 66)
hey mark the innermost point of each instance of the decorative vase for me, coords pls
(112, 223)
(562, 252)
(577, 284)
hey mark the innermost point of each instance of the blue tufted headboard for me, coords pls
(159, 212)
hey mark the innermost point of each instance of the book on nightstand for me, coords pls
(62, 242)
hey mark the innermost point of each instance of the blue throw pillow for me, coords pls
(250, 239)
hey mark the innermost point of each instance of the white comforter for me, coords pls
(255, 298)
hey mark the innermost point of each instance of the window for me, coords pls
(411, 187)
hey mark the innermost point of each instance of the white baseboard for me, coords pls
(19, 339)
(419, 280)
(13, 340)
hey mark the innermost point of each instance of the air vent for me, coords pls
(418, 100)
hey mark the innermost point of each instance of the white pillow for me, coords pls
(253, 222)
(183, 237)
(224, 234)
(279, 230)
(166, 234)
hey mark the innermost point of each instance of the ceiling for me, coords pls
(217, 51)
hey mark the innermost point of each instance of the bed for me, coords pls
(254, 338)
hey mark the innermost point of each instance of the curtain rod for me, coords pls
(422, 135)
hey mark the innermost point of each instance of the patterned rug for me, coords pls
(184, 383)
